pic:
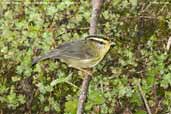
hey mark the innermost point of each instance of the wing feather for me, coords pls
(78, 49)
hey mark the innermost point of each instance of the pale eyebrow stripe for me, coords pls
(98, 40)
(96, 36)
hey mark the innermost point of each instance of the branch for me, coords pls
(94, 15)
(85, 84)
(83, 94)
(143, 98)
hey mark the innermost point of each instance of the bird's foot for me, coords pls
(86, 72)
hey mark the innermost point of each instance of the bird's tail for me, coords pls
(52, 54)
(37, 59)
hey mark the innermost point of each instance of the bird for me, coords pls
(81, 53)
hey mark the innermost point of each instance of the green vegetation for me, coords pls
(140, 30)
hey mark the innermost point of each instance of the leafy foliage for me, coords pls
(140, 30)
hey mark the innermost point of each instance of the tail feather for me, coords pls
(52, 54)
(35, 60)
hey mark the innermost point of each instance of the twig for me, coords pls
(1, 111)
(85, 84)
(83, 94)
(168, 44)
(143, 98)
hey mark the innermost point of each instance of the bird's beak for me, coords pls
(112, 43)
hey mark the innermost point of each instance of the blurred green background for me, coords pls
(140, 30)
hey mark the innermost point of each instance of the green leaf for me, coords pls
(3, 89)
(60, 80)
(140, 112)
(134, 2)
(46, 108)
(96, 97)
(116, 2)
(166, 81)
(71, 106)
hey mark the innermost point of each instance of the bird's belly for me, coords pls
(77, 63)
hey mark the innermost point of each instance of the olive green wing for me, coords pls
(79, 49)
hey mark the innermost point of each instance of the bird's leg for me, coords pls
(87, 71)
(70, 70)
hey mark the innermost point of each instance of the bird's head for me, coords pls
(101, 43)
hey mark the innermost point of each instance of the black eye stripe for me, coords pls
(96, 36)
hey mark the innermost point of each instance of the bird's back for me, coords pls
(71, 52)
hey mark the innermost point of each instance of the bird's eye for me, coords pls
(102, 43)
